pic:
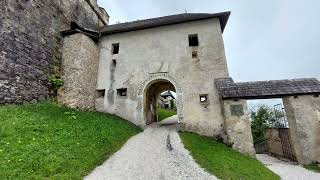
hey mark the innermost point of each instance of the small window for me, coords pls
(193, 40)
(204, 99)
(122, 92)
(115, 48)
(101, 93)
(194, 54)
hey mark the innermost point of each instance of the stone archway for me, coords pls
(151, 94)
(150, 89)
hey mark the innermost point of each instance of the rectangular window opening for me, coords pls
(193, 40)
(115, 48)
(122, 92)
(204, 99)
(194, 54)
(101, 93)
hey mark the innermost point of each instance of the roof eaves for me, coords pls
(223, 19)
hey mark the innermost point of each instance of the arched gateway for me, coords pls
(149, 92)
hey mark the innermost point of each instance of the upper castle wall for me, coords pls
(30, 43)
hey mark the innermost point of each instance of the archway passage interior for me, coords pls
(151, 96)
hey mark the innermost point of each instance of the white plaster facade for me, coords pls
(163, 53)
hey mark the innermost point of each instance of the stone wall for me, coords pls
(238, 126)
(303, 113)
(80, 61)
(30, 43)
(274, 142)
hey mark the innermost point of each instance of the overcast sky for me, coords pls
(264, 40)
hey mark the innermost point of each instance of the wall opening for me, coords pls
(122, 92)
(115, 48)
(101, 93)
(159, 101)
(193, 40)
(270, 128)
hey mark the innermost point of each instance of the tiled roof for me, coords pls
(266, 89)
(162, 21)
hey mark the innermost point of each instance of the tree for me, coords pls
(262, 119)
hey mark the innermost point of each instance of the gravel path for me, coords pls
(286, 170)
(157, 153)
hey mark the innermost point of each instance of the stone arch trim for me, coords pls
(158, 76)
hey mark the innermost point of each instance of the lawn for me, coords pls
(313, 167)
(49, 141)
(223, 161)
(164, 113)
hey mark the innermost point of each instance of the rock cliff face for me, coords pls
(30, 43)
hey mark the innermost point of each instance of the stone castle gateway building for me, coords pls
(122, 69)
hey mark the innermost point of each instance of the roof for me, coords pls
(163, 21)
(266, 89)
(75, 28)
(166, 94)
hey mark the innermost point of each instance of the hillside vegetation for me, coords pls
(49, 141)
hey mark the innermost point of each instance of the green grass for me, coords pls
(222, 161)
(313, 167)
(48, 141)
(163, 113)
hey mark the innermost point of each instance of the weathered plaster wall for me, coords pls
(274, 142)
(80, 68)
(166, 50)
(238, 127)
(303, 115)
(30, 43)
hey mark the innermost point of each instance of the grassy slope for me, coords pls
(42, 141)
(313, 167)
(163, 113)
(222, 161)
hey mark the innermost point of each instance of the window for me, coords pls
(193, 40)
(115, 48)
(101, 93)
(194, 54)
(122, 92)
(204, 99)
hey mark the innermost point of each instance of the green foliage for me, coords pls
(49, 141)
(313, 167)
(262, 119)
(223, 161)
(173, 104)
(56, 80)
(164, 113)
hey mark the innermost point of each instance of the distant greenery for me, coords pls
(173, 104)
(313, 167)
(49, 141)
(164, 113)
(262, 119)
(223, 161)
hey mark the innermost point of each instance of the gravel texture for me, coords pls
(157, 153)
(286, 170)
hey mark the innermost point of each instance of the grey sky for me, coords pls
(264, 40)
